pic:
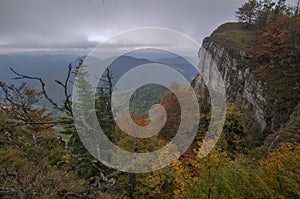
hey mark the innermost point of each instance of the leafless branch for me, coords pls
(6, 191)
(59, 122)
(67, 102)
(43, 86)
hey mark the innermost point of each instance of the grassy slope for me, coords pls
(235, 37)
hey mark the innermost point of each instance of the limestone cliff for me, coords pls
(242, 86)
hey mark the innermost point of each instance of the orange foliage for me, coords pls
(278, 44)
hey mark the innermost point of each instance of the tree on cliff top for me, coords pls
(248, 12)
(264, 12)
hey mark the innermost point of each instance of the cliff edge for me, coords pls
(270, 104)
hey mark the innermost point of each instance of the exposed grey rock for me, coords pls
(241, 86)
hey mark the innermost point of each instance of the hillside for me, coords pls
(235, 37)
(35, 163)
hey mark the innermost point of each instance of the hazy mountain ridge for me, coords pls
(55, 67)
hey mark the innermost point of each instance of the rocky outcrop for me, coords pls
(240, 84)
(290, 132)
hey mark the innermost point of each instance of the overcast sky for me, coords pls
(82, 24)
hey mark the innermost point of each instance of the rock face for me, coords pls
(241, 86)
(289, 132)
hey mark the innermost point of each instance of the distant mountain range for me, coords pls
(54, 67)
(44, 66)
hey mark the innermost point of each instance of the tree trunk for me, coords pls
(132, 184)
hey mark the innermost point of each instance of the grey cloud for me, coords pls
(84, 44)
(72, 24)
